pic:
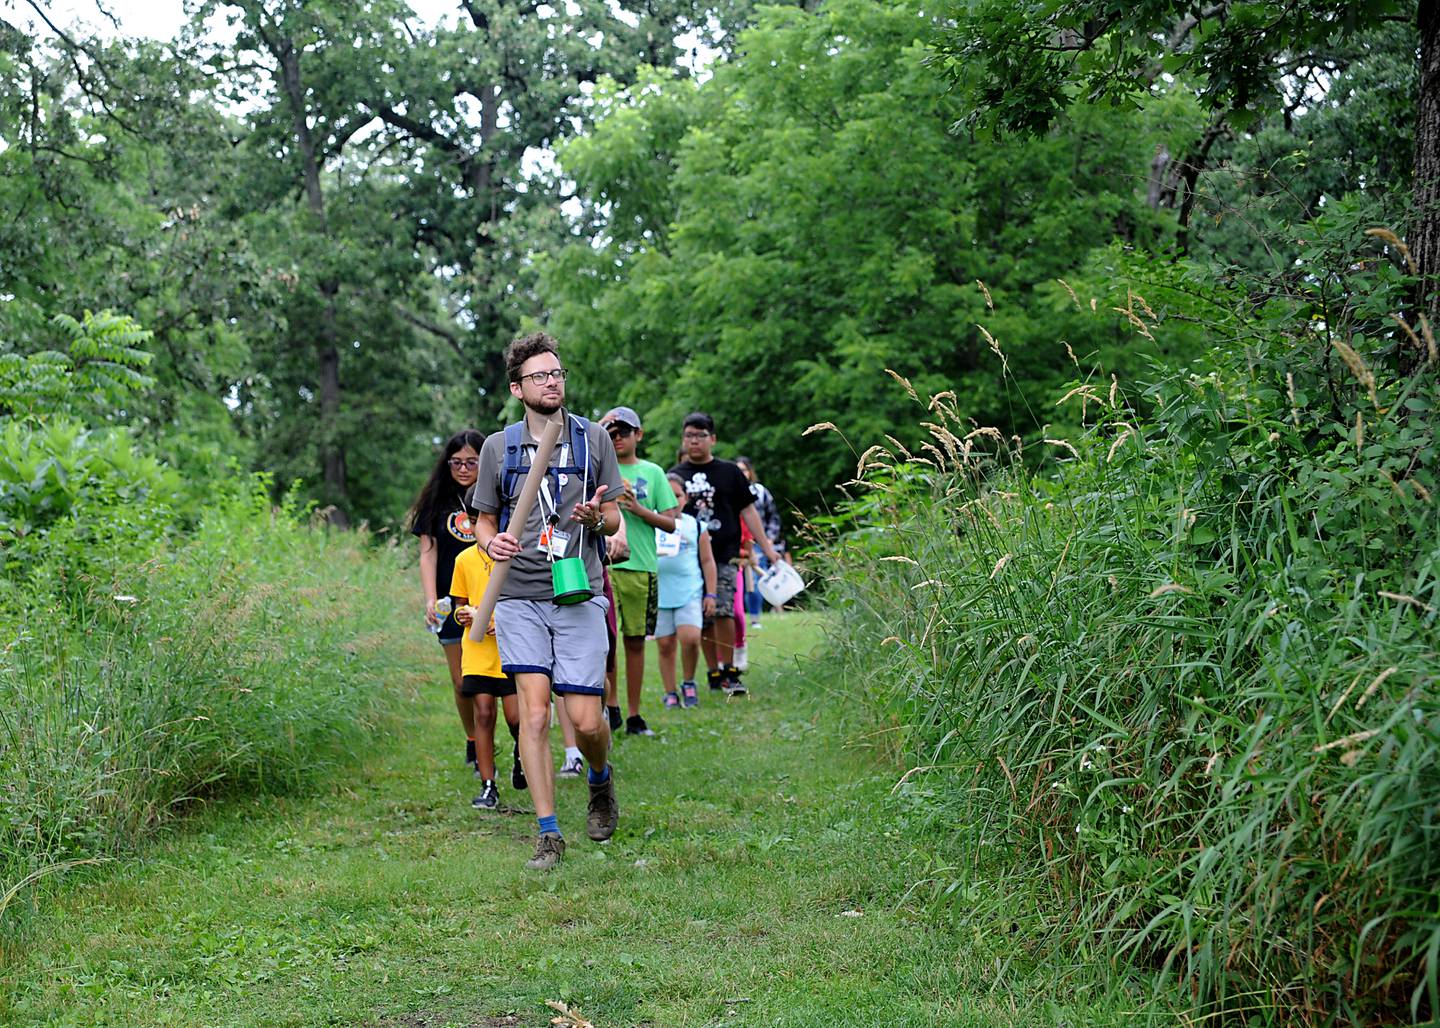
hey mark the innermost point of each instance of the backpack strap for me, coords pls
(514, 470)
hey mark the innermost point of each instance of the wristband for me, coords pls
(711, 596)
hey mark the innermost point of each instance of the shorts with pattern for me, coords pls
(724, 592)
(566, 644)
(637, 596)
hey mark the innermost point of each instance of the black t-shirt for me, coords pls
(717, 492)
(453, 530)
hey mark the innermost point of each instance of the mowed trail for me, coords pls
(758, 877)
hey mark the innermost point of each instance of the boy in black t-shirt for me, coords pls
(719, 497)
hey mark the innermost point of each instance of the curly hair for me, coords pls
(522, 348)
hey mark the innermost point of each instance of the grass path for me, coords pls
(757, 879)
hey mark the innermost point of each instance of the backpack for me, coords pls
(513, 472)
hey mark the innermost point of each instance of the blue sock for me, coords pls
(549, 824)
(599, 779)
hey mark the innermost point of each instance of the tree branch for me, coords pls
(81, 79)
(429, 326)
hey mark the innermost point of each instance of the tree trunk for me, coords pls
(332, 447)
(1425, 236)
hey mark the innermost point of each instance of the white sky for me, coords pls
(157, 19)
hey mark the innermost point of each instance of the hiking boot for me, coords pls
(613, 713)
(469, 752)
(488, 799)
(604, 811)
(716, 679)
(689, 694)
(549, 849)
(672, 700)
(517, 772)
(636, 726)
(572, 768)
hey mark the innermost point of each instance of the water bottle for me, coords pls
(442, 611)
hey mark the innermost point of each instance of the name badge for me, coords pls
(667, 544)
(553, 541)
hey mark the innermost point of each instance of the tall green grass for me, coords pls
(1179, 684)
(245, 654)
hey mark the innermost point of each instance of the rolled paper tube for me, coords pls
(518, 516)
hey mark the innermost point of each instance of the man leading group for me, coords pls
(547, 645)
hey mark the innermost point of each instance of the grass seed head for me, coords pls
(994, 347)
(1357, 367)
(1390, 238)
(904, 382)
(1370, 689)
(1065, 446)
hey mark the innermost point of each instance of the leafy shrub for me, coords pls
(245, 657)
(102, 369)
(164, 640)
(1182, 682)
(74, 499)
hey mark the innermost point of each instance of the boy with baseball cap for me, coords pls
(647, 503)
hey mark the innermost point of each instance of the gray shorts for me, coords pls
(567, 644)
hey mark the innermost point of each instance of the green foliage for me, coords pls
(103, 370)
(74, 501)
(1022, 65)
(769, 242)
(1180, 684)
(226, 661)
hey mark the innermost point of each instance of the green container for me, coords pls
(570, 580)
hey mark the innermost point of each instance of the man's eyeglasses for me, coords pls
(619, 431)
(457, 463)
(540, 377)
(697, 436)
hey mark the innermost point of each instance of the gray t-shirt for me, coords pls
(529, 574)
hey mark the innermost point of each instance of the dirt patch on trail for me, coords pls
(431, 1019)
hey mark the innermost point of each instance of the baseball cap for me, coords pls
(624, 415)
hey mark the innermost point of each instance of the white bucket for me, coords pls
(780, 584)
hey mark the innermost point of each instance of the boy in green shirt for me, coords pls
(648, 503)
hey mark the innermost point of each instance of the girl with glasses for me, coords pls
(440, 521)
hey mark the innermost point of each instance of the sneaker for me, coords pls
(742, 660)
(733, 685)
(604, 810)
(549, 849)
(690, 695)
(716, 679)
(672, 699)
(469, 752)
(488, 799)
(517, 773)
(572, 768)
(614, 714)
(636, 725)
